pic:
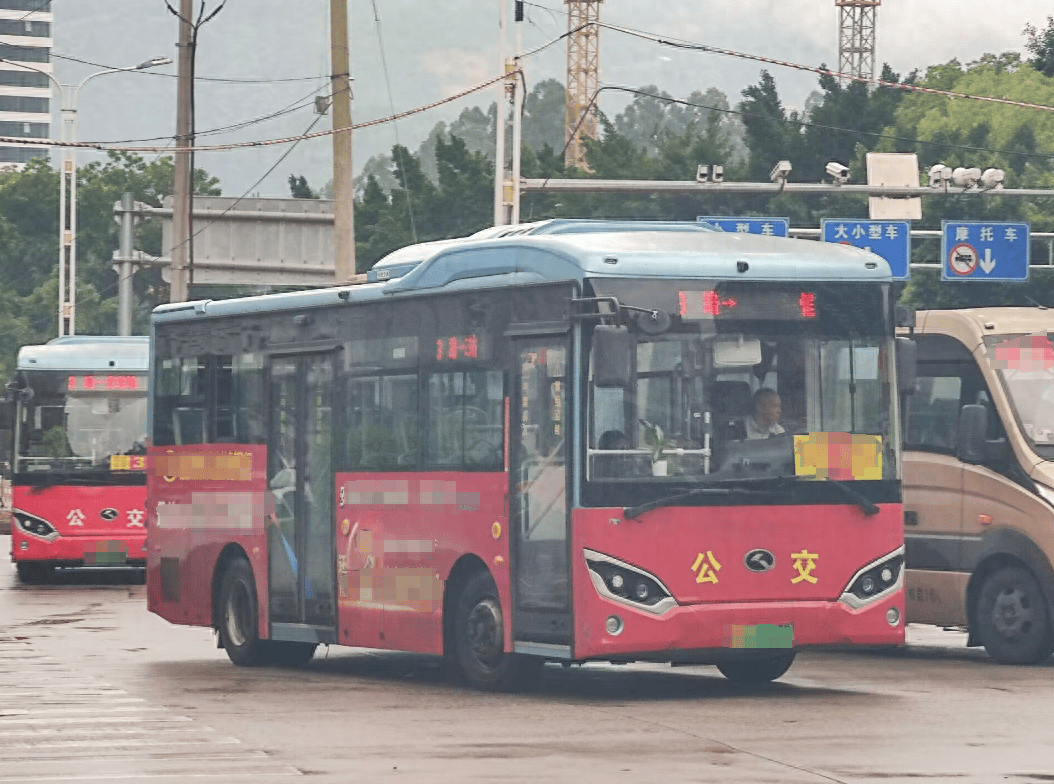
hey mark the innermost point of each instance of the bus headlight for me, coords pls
(627, 584)
(35, 527)
(876, 580)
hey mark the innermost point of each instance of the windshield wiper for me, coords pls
(633, 512)
(867, 506)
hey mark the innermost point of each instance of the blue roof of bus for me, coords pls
(555, 251)
(87, 353)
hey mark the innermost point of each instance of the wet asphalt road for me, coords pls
(94, 688)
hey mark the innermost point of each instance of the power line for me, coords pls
(822, 127)
(395, 124)
(107, 147)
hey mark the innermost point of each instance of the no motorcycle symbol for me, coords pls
(963, 259)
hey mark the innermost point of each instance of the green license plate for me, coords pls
(762, 635)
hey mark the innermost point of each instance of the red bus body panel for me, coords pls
(674, 544)
(398, 539)
(94, 524)
(201, 499)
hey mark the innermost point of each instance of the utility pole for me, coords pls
(500, 218)
(343, 174)
(179, 281)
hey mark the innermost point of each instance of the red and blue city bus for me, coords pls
(538, 445)
(78, 461)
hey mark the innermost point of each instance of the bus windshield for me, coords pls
(79, 422)
(1025, 366)
(749, 381)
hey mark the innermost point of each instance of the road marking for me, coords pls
(57, 724)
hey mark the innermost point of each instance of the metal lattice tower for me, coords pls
(583, 55)
(856, 37)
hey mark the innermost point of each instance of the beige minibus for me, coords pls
(979, 478)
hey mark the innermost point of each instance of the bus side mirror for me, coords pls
(612, 356)
(973, 425)
(907, 365)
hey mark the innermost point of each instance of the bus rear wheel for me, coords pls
(478, 655)
(1013, 621)
(760, 670)
(238, 622)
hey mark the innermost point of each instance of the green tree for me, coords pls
(1040, 43)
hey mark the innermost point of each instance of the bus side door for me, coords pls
(539, 498)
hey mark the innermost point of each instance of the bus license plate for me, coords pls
(762, 635)
(111, 553)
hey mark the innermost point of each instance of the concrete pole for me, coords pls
(343, 173)
(124, 270)
(517, 116)
(62, 217)
(179, 253)
(499, 128)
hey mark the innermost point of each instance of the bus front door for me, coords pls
(539, 499)
(300, 479)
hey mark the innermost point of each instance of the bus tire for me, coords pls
(1013, 620)
(33, 573)
(478, 657)
(291, 654)
(757, 670)
(238, 620)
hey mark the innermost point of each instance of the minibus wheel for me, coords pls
(479, 655)
(238, 624)
(1013, 621)
(756, 670)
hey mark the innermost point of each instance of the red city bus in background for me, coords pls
(78, 460)
(536, 446)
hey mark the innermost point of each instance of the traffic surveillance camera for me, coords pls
(939, 175)
(992, 179)
(702, 174)
(966, 178)
(780, 171)
(838, 172)
(717, 173)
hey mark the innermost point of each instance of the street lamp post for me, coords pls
(68, 94)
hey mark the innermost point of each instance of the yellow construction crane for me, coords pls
(583, 54)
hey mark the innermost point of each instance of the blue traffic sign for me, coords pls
(889, 239)
(981, 250)
(772, 227)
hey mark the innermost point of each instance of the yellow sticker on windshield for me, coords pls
(838, 456)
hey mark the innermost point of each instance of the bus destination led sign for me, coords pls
(457, 347)
(747, 306)
(108, 383)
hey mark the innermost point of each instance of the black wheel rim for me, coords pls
(485, 633)
(1014, 613)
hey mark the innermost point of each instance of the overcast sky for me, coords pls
(434, 50)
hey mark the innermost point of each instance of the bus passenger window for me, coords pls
(382, 431)
(466, 420)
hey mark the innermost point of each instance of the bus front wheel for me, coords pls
(32, 573)
(1013, 622)
(238, 624)
(756, 670)
(478, 654)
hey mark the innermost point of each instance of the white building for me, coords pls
(25, 106)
